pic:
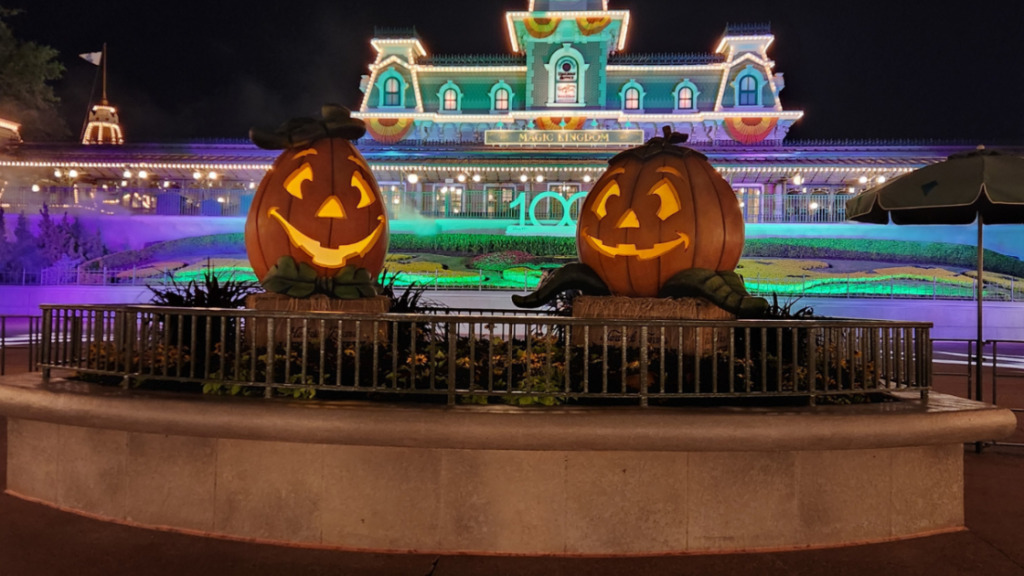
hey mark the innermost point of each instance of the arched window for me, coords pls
(685, 98)
(748, 91)
(501, 99)
(632, 99)
(567, 81)
(392, 97)
(451, 99)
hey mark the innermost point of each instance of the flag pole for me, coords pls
(104, 57)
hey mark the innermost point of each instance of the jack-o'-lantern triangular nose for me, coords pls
(331, 208)
(628, 220)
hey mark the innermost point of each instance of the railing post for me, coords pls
(3, 345)
(452, 350)
(642, 380)
(45, 344)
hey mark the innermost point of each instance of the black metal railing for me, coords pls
(539, 359)
(20, 334)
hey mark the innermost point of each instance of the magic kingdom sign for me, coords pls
(564, 137)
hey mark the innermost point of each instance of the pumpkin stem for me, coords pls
(667, 130)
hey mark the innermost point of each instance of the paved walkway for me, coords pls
(39, 541)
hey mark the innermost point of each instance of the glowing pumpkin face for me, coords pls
(319, 204)
(658, 210)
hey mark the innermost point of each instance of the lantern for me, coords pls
(658, 210)
(318, 205)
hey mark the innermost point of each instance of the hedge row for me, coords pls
(904, 252)
(927, 253)
(483, 244)
(212, 245)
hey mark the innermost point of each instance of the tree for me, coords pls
(26, 96)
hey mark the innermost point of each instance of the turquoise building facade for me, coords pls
(568, 70)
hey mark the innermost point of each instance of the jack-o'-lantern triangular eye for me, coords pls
(669, 198)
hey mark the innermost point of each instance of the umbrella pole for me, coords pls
(981, 300)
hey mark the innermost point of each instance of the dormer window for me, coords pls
(501, 97)
(392, 95)
(632, 99)
(685, 99)
(748, 91)
(450, 98)
(632, 95)
(391, 89)
(686, 96)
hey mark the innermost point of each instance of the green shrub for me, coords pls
(483, 244)
(173, 249)
(904, 252)
(499, 261)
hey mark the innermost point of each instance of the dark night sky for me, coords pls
(859, 68)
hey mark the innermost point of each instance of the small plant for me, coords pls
(411, 301)
(211, 292)
(784, 311)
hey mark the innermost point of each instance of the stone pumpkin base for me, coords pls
(269, 302)
(494, 479)
(622, 308)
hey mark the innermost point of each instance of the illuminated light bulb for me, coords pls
(56, 174)
(476, 177)
(524, 178)
(196, 175)
(212, 176)
(880, 179)
(587, 178)
(73, 173)
(462, 177)
(863, 180)
(252, 185)
(143, 174)
(444, 190)
(127, 174)
(413, 178)
(814, 206)
(167, 184)
(221, 199)
(124, 183)
(798, 179)
(35, 187)
(851, 189)
(742, 203)
(540, 177)
(397, 200)
(458, 192)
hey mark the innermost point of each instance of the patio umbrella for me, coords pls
(982, 186)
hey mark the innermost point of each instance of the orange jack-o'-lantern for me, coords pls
(658, 210)
(320, 203)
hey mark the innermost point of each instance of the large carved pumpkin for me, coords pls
(658, 210)
(319, 203)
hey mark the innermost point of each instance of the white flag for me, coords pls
(93, 57)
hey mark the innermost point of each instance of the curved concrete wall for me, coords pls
(501, 480)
